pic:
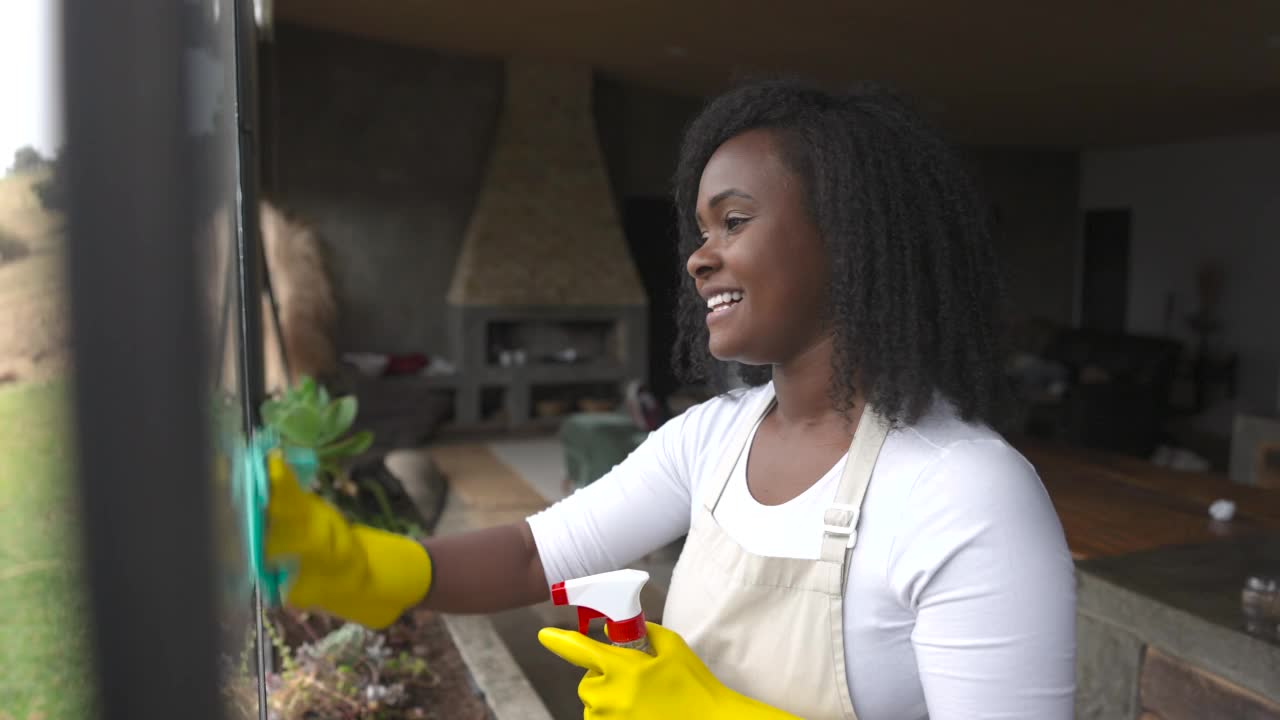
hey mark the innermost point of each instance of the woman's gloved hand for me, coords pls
(674, 683)
(358, 573)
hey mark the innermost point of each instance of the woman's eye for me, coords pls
(733, 223)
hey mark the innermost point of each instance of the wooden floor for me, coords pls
(1111, 505)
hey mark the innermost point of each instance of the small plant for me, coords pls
(305, 416)
(349, 674)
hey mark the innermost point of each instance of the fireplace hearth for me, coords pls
(515, 350)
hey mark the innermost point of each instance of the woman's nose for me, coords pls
(703, 261)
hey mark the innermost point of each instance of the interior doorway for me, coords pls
(1104, 286)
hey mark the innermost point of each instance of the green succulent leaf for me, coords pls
(347, 447)
(338, 418)
(272, 412)
(302, 425)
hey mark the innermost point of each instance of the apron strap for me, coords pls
(840, 529)
(729, 458)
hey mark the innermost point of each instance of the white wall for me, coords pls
(1215, 199)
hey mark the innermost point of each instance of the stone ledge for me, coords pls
(1247, 661)
(497, 676)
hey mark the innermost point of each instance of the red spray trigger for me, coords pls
(585, 616)
(560, 596)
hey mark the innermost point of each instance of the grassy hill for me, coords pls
(43, 637)
(43, 632)
(33, 324)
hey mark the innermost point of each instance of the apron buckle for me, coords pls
(851, 529)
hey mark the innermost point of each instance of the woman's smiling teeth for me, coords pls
(724, 300)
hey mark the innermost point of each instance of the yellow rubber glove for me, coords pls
(673, 683)
(358, 573)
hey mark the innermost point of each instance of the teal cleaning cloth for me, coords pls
(252, 490)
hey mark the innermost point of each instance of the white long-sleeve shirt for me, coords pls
(961, 593)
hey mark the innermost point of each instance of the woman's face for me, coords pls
(762, 267)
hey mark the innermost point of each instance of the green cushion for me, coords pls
(595, 442)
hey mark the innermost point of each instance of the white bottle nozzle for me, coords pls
(614, 596)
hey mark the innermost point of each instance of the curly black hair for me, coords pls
(916, 294)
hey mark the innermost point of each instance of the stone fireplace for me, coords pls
(545, 297)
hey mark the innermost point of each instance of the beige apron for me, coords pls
(773, 628)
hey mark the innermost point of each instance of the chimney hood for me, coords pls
(545, 230)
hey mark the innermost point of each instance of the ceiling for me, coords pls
(995, 72)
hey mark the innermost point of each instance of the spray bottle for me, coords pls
(614, 596)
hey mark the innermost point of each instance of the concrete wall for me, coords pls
(382, 150)
(1191, 202)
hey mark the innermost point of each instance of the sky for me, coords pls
(30, 72)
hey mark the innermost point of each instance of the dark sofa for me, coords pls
(1117, 394)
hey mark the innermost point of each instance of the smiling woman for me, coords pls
(860, 541)
(878, 226)
(839, 255)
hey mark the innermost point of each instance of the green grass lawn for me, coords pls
(43, 638)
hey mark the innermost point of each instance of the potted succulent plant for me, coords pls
(306, 416)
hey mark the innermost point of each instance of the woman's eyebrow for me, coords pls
(725, 194)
